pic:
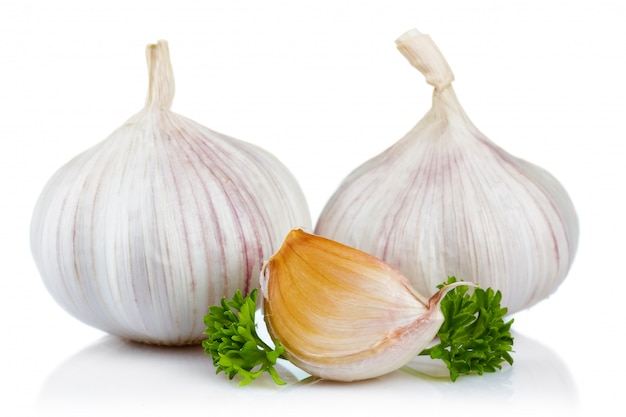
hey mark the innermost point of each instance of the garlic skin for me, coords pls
(137, 235)
(447, 201)
(342, 314)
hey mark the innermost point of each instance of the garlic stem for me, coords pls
(421, 52)
(161, 76)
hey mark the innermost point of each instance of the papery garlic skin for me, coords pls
(342, 314)
(140, 233)
(446, 201)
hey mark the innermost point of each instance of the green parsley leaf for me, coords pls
(234, 344)
(473, 337)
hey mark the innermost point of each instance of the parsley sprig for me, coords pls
(234, 344)
(473, 337)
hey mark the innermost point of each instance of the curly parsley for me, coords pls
(234, 344)
(473, 337)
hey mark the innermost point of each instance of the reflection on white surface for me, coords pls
(114, 375)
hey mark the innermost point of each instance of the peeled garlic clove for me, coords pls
(342, 314)
(139, 234)
(446, 201)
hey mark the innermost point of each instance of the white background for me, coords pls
(321, 85)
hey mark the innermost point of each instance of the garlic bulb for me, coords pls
(342, 314)
(140, 233)
(445, 200)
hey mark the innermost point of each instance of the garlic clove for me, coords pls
(342, 314)
(140, 233)
(456, 204)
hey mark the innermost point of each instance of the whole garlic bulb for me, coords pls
(139, 234)
(445, 200)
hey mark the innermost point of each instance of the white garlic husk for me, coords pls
(139, 234)
(447, 201)
(343, 314)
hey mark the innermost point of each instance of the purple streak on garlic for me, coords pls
(447, 201)
(140, 233)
